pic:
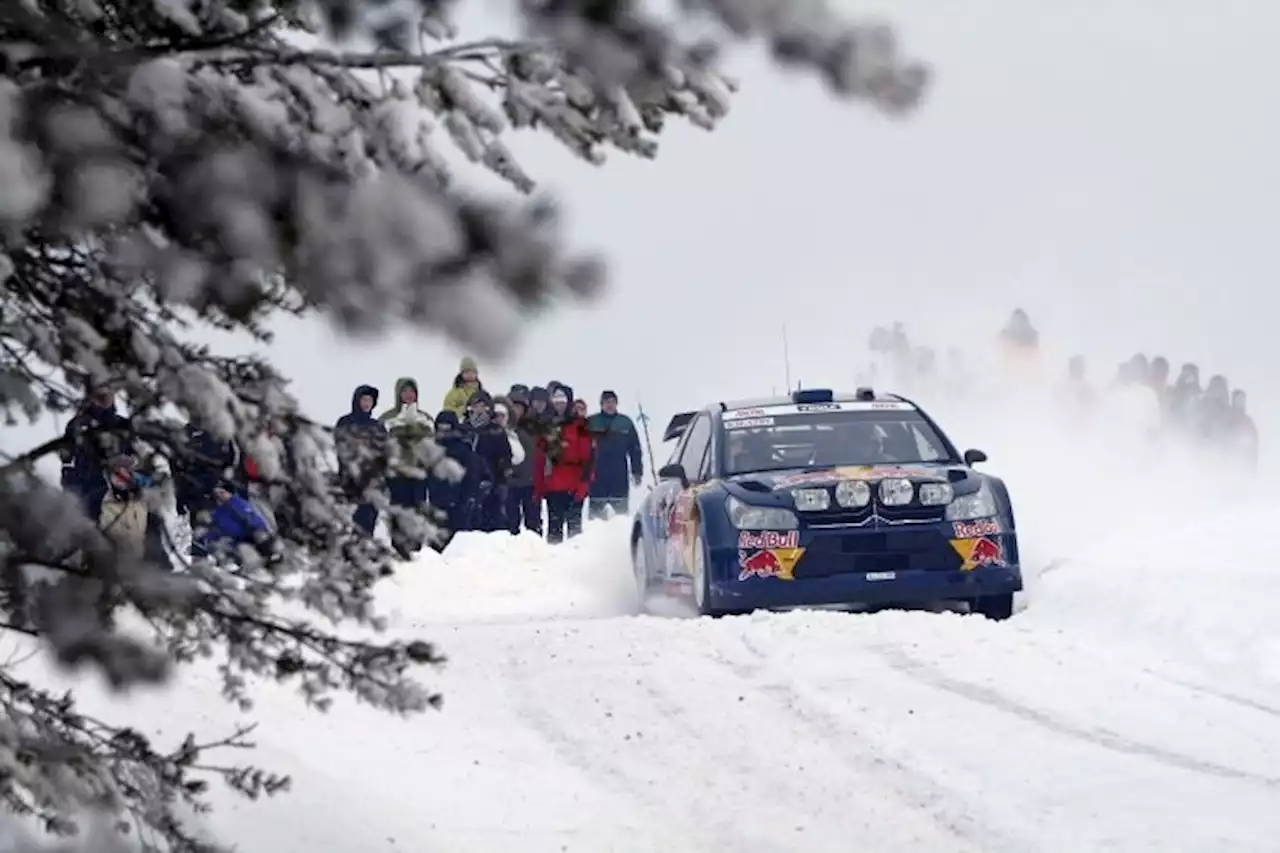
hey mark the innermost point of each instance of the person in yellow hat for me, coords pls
(466, 383)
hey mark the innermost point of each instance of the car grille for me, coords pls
(839, 516)
(859, 551)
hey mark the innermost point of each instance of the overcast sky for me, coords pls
(1115, 174)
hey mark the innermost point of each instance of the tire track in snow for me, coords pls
(952, 812)
(709, 833)
(935, 678)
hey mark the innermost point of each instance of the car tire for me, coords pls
(640, 572)
(701, 579)
(994, 607)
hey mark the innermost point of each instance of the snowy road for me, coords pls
(1102, 718)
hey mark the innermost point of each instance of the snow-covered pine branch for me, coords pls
(167, 165)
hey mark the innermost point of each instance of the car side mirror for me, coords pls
(674, 471)
(973, 457)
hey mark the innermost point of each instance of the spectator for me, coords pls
(201, 463)
(521, 505)
(235, 522)
(465, 385)
(405, 414)
(1244, 433)
(354, 433)
(578, 417)
(618, 460)
(494, 447)
(563, 468)
(539, 402)
(1018, 333)
(1158, 376)
(96, 433)
(1183, 399)
(455, 500)
(1214, 417)
(123, 515)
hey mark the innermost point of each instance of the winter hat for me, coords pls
(468, 363)
(446, 420)
(606, 396)
(553, 385)
(519, 398)
(517, 388)
(559, 396)
(481, 396)
(539, 393)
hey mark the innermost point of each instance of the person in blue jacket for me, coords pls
(97, 433)
(618, 460)
(235, 521)
(454, 501)
(358, 427)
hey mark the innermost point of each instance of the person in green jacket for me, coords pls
(466, 383)
(405, 418)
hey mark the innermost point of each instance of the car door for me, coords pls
(681, 526)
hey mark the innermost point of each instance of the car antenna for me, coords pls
(786, 355)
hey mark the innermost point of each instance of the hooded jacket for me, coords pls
(355, 428)
(95, 434)
(204, 462)
(406, 420)
(236, 521)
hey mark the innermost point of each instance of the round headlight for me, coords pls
(853, 493)
(896, 491)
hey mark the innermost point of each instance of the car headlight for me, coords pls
(936, 494)
(811, 500)
(744, 516)
(979, 504)
(896, 491)
(853, 494)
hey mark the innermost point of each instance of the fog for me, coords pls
(1114, 174)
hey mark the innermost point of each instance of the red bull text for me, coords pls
(754, 540)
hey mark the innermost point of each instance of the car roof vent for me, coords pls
(812, 395)
(865, 394)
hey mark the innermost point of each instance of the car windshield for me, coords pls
(773, 442)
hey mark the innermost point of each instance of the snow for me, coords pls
(1132, 704)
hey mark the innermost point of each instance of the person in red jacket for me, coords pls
(562, 469)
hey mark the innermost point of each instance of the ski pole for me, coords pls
(648, 443)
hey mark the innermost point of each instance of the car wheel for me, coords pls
(640, 570)
(995, 607)
(701, 578)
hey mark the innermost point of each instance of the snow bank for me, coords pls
(498, 577)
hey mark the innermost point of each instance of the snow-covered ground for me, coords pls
(1133, 704)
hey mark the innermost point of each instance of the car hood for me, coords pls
(770, 482)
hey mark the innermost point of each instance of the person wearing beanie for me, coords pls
(465, 384)
(539, 402)
(619, 464)
(496, 450)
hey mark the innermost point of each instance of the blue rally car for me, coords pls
(823, 499)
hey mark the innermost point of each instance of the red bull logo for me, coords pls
(779, 563)
(979, 552)
(976, 529)
(753, 540)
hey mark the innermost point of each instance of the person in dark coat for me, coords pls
(618, 461)
(353, 433)
(455, 500)
(201, 463)
(97, 433)
(1244, 433)
(521, 506)
(494, 447)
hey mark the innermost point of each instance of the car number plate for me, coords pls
(881, 576)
